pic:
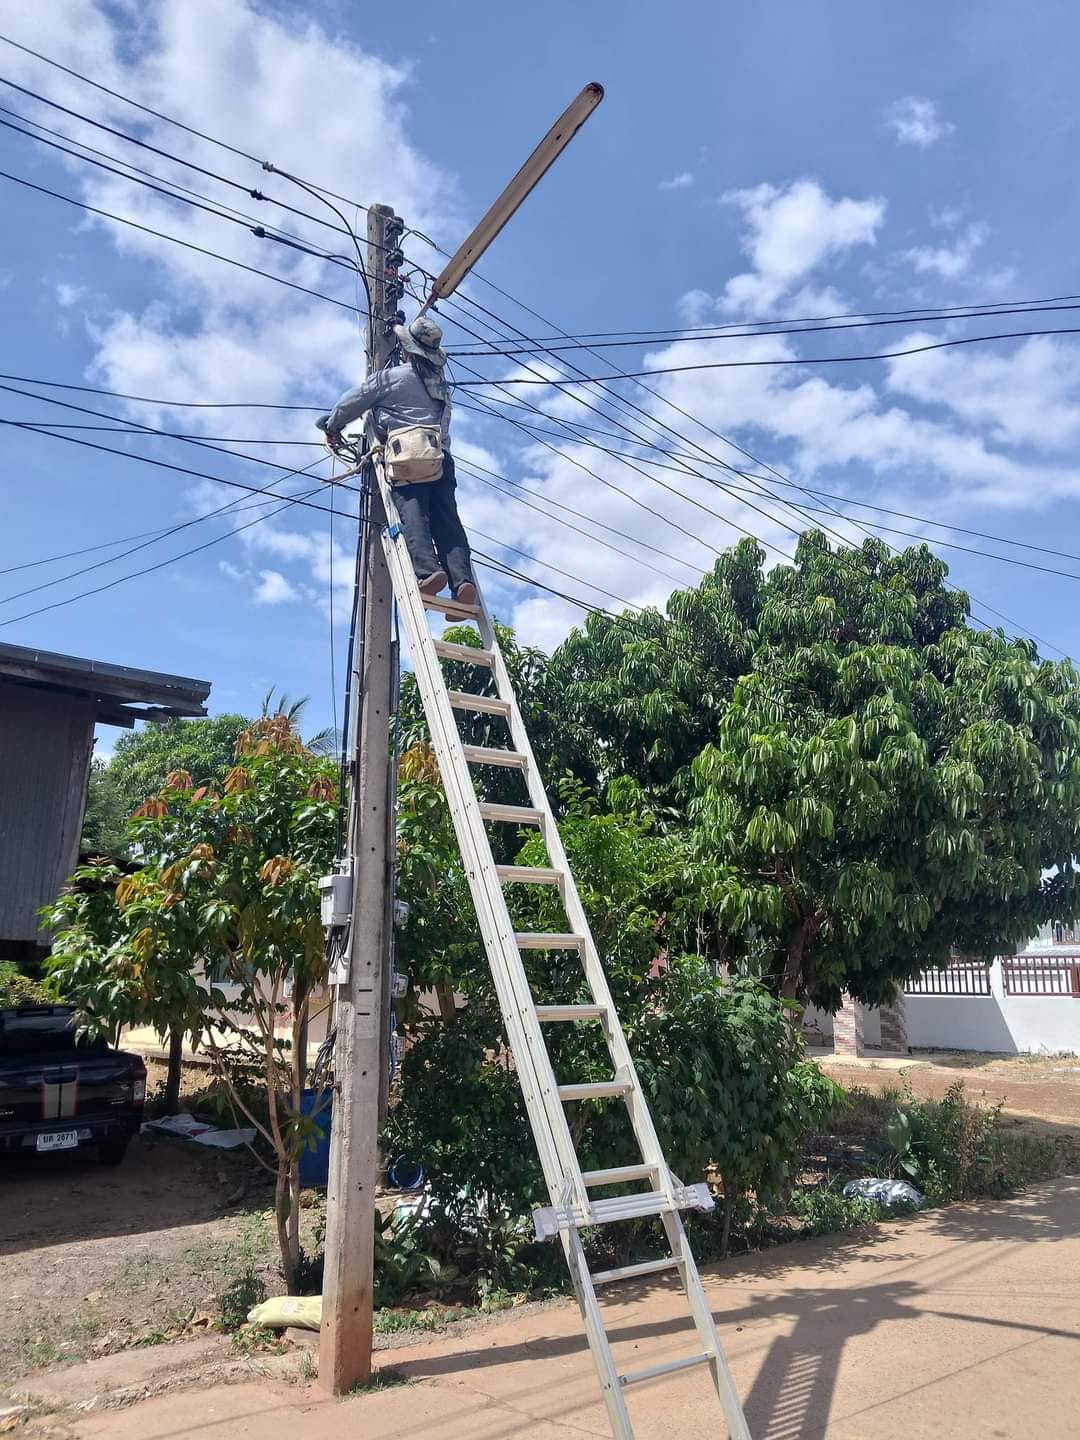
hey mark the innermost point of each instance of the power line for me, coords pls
(804, 360)
(757, 480)
(161, 464)
(156, 539)
(323, 191)
(913, 313)
(160, 565)
(471, 469)
(676, 338)
(149, 180)
(166, 404)
(175, 240)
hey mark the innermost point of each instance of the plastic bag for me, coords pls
(304, 1312)
(884, 1192)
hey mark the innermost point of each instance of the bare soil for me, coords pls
(1046, 1090)
(96, 1258)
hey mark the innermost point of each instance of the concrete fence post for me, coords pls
(848, 1027)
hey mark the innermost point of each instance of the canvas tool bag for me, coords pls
(413, 454)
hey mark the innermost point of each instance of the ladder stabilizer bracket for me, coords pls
(549, 1220)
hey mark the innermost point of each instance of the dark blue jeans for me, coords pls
(434, 533)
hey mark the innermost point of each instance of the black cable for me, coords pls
(157, 183)
(323, 191)
(267, 490)
(160, 464)
(942, 312)
(179, 434)
(806, 360)
(659, 395)
(140, 427)
(160, 565)
(175, 240)
(676, 339)
(166, 404)
(547, 565)
(578, 529)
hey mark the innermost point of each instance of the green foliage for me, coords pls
(139, 765)
(823, 1210)
(226, 893)
(19, 989)
(952, 1149)
(721, 1062)
(862, 781)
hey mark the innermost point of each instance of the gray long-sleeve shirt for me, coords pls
(396, 396)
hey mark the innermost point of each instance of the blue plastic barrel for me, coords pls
(315, 1164)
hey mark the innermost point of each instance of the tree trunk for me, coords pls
(288, 1241)
(172, 1080)
(729, 1210)
(791, 982)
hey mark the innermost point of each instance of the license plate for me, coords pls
(58, 1140)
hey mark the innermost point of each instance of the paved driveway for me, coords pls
(963, 1324)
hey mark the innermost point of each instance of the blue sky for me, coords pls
(747, 162)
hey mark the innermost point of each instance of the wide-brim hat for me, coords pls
(423, 337)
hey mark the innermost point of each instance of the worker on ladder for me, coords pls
(410, 405)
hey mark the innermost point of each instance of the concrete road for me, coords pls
(963, 1324)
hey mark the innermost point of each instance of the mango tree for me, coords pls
(863, 779)
(219, 929)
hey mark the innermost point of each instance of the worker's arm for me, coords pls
(355, 403)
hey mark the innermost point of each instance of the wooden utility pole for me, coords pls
(360, 1052)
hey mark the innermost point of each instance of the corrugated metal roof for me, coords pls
(123, 684)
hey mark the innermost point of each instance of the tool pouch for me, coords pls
(413, 454)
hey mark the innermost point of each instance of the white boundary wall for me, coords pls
(1004, 1024)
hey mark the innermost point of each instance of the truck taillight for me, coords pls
(138, 1090)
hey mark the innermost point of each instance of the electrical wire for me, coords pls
(150, 569)
(174, 239)
(800, 360)
(677, 338)
(166, 404)
(491, 284)
(930, 312)
(156, 539)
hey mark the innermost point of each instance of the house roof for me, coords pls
(122, 694)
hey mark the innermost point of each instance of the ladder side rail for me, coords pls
(705, 1325)
(611, 1386)
(622, 1060)
(548, 1120)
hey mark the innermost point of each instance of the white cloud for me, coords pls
(274, 589)
(790, 233)
(948, 261)
(915, 121)
(1027, 396)
(68, 295)
(682, 181)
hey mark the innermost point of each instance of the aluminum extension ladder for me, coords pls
(572, 1203)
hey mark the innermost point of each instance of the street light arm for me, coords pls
(526, 179)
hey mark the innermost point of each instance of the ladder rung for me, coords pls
(630, 1272)
(453, 609)
(471, 654)
(618, 1174)
(598, 1090)
(529, 874)
(488, 704)
(515, 814)
(535, 940)
(491, 755)
(666, 1367)
(570, 1012)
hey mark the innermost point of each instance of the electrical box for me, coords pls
(401, 913)
(399, 985)
(335, 897)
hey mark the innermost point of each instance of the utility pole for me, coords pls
(361, 1048)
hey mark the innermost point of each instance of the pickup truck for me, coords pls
(58, 1091)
